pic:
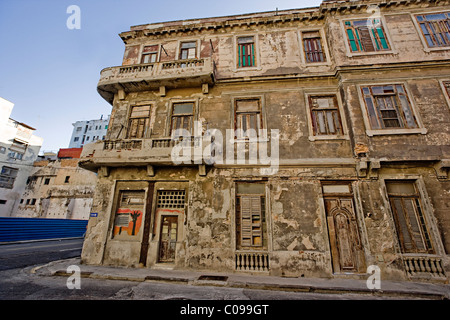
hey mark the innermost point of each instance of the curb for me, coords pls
(195, 281)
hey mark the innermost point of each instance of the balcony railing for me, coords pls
(252, 261)
(419, 266)
(141, 77)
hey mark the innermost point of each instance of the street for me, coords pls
(20, 281)
(21, 255)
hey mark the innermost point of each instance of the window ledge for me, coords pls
(371, 133)
(428, 49)
(329, 137)
(359, 54)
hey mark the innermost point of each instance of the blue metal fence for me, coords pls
(18, 229)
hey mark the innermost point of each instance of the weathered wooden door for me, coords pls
(168, 238)
(346, 249)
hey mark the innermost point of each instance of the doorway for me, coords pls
(168, 239)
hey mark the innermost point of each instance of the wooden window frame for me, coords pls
(182, 50)
(335, 114)
(331, 92)
(418, 214)
(369, 116)
(150, 54)
(257, 224)
(445, 85)
(238, 114)
(307, 54)
(442, 42)
(348, 29)
(182, 116)
(245, 60)
(137, 122)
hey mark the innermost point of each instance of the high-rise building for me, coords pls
(87, 131)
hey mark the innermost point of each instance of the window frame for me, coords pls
(426, 48)
(427, 209)
(197, 48)
(263, 214)
(340, 109)
(147, 131)
(158, 53)
(323, 43)
(390, 131)
(387, 35)
(446, 92)
(171, 109)
(257, 58)
(11, 175)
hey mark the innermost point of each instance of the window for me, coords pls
(47, 181)
(7, 177)
(139, 122)
(2, 149)
(17, 150)
(150, 54)
(33, 202)
(246, 52)
(67, 179)
(435, 29)
(188, 50)
(409, 217)
(247, 116)
(87, 138)
(366, 35)
(250, 216)
(325, 115)
(312, 47)
(182, 116)
(2, 201)
(129, 214)
(447, 88)
(78, 129)
(388, 107)
(76, 139)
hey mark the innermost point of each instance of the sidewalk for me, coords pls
(238, 280)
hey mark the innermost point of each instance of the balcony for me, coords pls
(133, 152)
(143, 77)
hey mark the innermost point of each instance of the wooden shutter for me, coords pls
(251, 221)
(366, 39)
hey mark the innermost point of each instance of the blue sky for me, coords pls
(51, 72)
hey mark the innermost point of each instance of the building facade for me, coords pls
(58, 189)
(87, 131)
(309, 142)
(19, 148)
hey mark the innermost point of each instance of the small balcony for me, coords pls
(133, 152)
(151, 76)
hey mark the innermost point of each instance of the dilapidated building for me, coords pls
(58, 188)
(307, 142)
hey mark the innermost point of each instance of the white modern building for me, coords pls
(87, 131)
(19, 148)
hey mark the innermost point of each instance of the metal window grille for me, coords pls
(171, 199)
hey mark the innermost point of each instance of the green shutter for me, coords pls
(239, 56)
(384, 44)
(253, 54)
(352, 40)
(376, 39)
(243, 56)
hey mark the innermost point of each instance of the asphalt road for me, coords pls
(21, 255)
